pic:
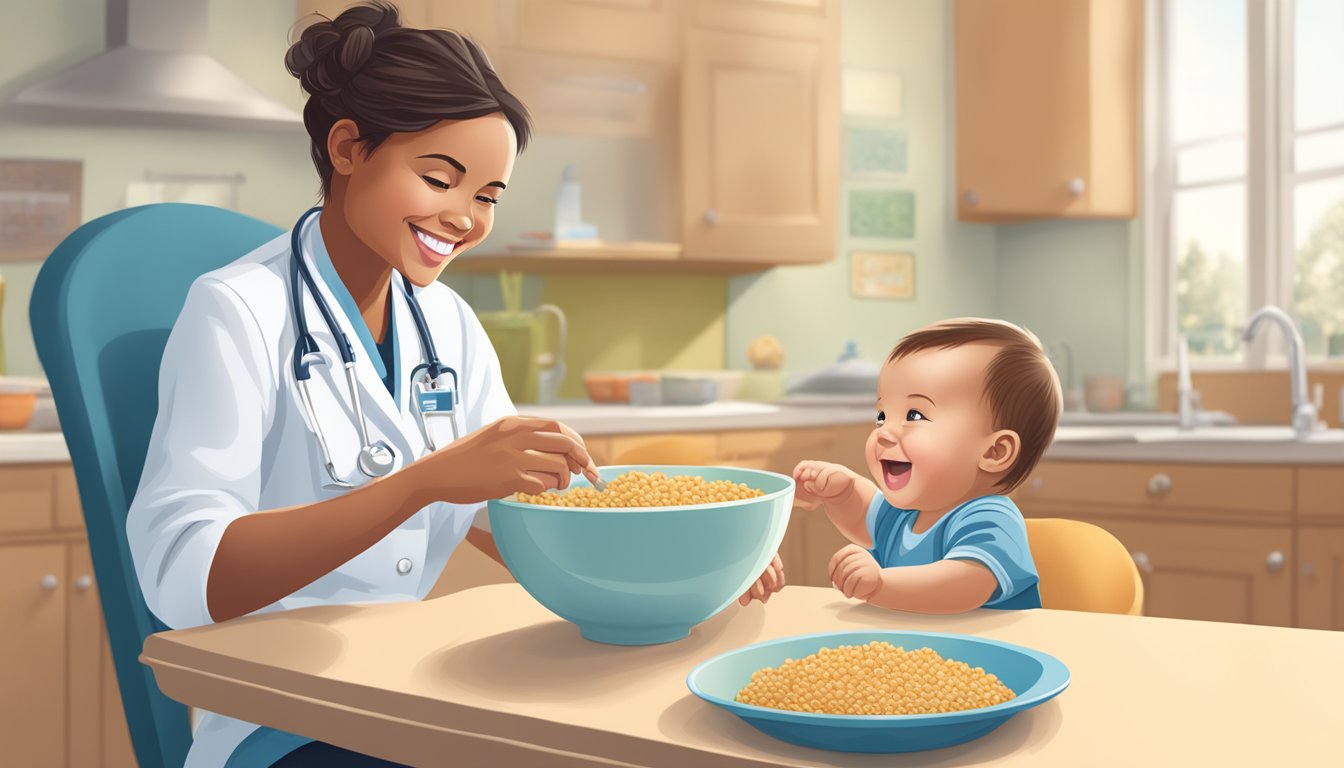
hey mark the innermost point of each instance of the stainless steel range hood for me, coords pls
(155, 70)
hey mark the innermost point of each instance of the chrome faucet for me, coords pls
(1305, 419)
(1187, 396)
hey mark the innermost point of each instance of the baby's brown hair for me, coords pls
(1020, 383)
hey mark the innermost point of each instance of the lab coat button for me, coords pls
(404, 566)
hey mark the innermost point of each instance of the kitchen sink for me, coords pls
(1140, 419)
(1244, 434)
(1159, 434)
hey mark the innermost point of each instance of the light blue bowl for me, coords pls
(640, 576)
(1034, 676)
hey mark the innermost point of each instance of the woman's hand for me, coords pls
(821, 482)
(855, 573)
(770, 582)
(511, 455)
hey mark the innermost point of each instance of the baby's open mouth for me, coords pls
(895, 473)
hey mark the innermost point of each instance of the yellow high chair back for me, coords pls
(1083, 568)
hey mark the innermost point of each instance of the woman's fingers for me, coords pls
(559, 444)
(546, 464)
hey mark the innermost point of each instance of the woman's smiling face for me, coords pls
(934, 425)
(422, 199)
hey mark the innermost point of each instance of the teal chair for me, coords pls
(101, 311)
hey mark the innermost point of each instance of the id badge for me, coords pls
(434, 401)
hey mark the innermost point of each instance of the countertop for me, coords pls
(1118, 442)
(489, 677)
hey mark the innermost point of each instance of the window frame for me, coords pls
(1271, 180)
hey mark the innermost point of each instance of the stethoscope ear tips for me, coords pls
(376, 460)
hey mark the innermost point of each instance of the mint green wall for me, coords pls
(1074, 281)
(810, 308)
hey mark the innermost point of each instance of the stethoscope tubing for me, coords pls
(374, 460)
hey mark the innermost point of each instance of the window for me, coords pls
(1246, 201)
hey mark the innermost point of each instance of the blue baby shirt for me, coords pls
(989, 530)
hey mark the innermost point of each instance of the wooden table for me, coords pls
(489, 677)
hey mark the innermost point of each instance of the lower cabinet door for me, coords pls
(1212, 572)
(33, 602)
(1320, 578)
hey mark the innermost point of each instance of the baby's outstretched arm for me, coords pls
(947, 586)
(844, 493)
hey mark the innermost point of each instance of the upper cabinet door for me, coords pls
(1047, 108)
(760, 147)
(618, 29)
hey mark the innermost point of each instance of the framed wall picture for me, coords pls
(39, 206)
(882, 275)
(872, 152)
(888, 213)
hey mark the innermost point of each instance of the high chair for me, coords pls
(1083, 568)
(101, 310)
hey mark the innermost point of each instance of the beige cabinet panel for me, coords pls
(1047, 100)
(1092, 487)
(85, 653)
(1211, 572)
(33, 667)
(596, 97)
(29, 498)
(68, 512)
(776, 18)
(1320, 578)
(760, 148)
(618, 29)
(1320, 494)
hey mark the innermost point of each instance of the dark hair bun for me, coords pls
(330, 52)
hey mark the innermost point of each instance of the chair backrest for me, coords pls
(1083, 568)
(101, 310)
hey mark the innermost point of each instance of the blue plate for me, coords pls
(1034, 676)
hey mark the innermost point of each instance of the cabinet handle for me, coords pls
(1308, 569)
(1275, 561)
(49, 582)
(1076, 186)
(83, 583)
(972, 198)
(1141, 560)
(1159, 484)
(712, 217)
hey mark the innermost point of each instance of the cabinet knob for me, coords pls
(83, 583)
(1159, 484)
(49, 582)
(1076, 186)
(972, 198)
(1275, 561)
(1141, 560)
(1037, 483)
(712, 217)
(1308, 570)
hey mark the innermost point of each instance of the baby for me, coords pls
(965, 408)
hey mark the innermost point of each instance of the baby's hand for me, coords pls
(855, 573)
(769, 583)
(821, 482)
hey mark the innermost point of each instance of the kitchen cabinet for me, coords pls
(1320, 578)
(1211, 572)
(760, 142)
(61, 706)
(618, 29)
(1047, 104)
(1206, 548)
(758, 113)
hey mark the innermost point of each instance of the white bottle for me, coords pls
(569, 225)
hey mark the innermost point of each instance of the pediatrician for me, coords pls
(331, 417)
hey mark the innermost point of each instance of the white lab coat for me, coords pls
(232, 438)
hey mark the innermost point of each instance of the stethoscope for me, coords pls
(431, 397)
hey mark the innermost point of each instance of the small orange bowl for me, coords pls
(16, 409)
